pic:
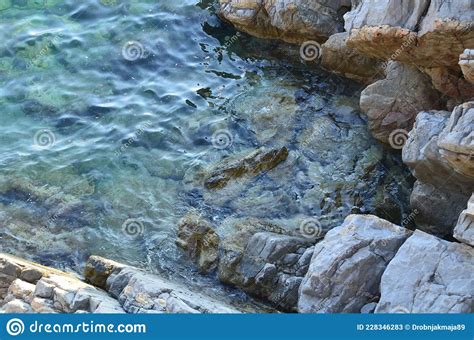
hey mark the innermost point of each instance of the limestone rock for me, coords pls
(466, 62)
(464, 230)
(428, 34)
(47, 291)
(393, 103)
(428, 275)
(441, 192)
(270, 266)
(197, 237)
(336, 56)
(252, 164)
(140, 292)
(291, 21)
(98, 269)
(456, 141)
(346, 267)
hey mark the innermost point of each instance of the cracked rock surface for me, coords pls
(141, 292)
(434, 275)
(464, 230)
(346, 266)
(27, 287)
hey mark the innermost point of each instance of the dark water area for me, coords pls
(111, 111)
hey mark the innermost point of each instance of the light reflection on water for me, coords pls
(109, 109)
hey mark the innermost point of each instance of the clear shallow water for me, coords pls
(108, 112)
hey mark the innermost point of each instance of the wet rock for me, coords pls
(295, 21)
(336, 56)
(466, 62)
(394, 102)
(252, 164)
(346, 267)
(53, 292)
(441, 283)
(441, 192)
(438, 207)
(98, 270)
(197, 237)
(464, 230)
(368, 308)
(140, 292)
(456, 140)
(269, 265)
(269, 110)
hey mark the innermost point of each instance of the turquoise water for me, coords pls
(111, 110)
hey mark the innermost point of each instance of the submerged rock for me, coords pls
(428, 275)
(464, 230)
(141, 292)
(252, 164)
(197, 237)
(346, 266)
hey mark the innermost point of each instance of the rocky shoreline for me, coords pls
(417, 70)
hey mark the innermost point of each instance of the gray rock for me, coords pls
(464, 230)
(428, 275)
(456, 141)
(466, 62)
(441, 192)
(140, 292)
(346, 267)
(54, 291)
(44, 289)
(437, 207)
(394, 102)
(269, 266)
(368, 308)
(16, 307)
